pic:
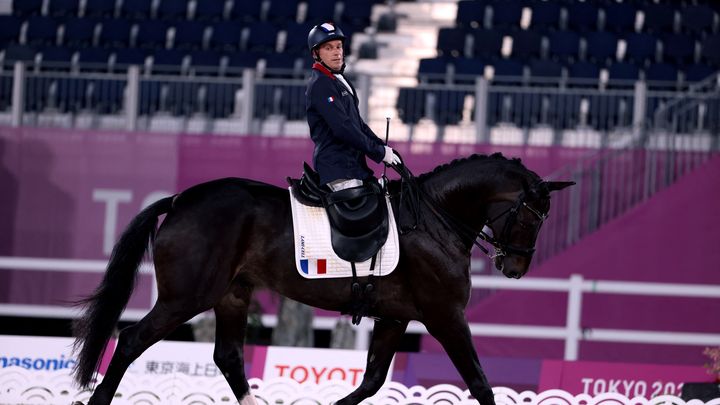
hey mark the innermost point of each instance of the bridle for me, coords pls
(500, 245)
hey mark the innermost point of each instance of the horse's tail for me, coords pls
(104, 306)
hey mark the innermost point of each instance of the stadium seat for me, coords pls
(99, 8)
(411, 105)
(226, 36)
(641, 47)
(659, 17)
(167, 60)
(526, 45)
(37, 90)
(697, 72)
(698, 18)
(151, 34)
(355, 12)
(487, 44)
(620, 17)
(205, 62)
(545, 69)
(26, 8)
(209, 10)
(115, 33)
(623, 74)
(41, 31)
(129, 56)
(661, 75)
(584, 71)
(220, 99)
(320, 10)
(281, 65)
(545, 15)
(79, 32)
(135, 9)
(282, 11)
(189, 35)
(292, 104)
(105, 96)
(262, 37)
(93, 59)
(19, 53)
(582, 16)
(448, 107)
(601, 46)
(508, 69)
(432, 70)
(9, 30)
(172, 10)
(56, 58)
(467, 70)
(711, 50)
(470, 14)
(296, 38)
(564, 46)
(246, 10)
(63, 8)
(451, 42)
(678, 48)
(241, 60)
(506, 14)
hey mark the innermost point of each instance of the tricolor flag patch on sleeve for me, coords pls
(313, 266)
(330, 99)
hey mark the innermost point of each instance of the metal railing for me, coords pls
(572, 333)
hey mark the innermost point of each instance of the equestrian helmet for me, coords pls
(322, 33)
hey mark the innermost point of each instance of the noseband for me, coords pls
(501, 246)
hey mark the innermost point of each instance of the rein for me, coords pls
(410, 185)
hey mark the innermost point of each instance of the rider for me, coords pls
(342, 139)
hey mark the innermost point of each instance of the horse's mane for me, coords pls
(497, 156)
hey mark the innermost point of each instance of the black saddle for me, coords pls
(358, 215)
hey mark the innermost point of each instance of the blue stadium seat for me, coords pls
(608, 111)
(661, 75)
(205, 62)
(221, 99)
(448, 107)
(320, 10)
(115, 33)
(172, 10)
(262, 38)
(9, 29)
(281, 66)
(545, 15)
(467, 70)
(678, 48)
(356, 12)
(63, 8)
(93, 59)
(601, 46)
(623, 74)
(189, 35)
(711, 50)
(105, 96)
(582, 16)
(451, 42)
(26, 8)
(470, 14)
(509, 69)
(641, 47)
(151, 34)
(411, 104)
(246, 10)
(226, 36)
(292, 104)
(209, 10)
(487, 44)
(620, 17)
(659, 17)
(432, 70)
(41, 31)
(526, 44)
(698, 18)
(19, 53)
(241, 60)
(56, 58)
(99, 8)
(545, 69)
(36, 93)
(135, 9)
(79, 32)
(697, 72)
(585, 71)
(168, 60)
(129, 56)
(506, 13)
(282, 11)
(296, 38)
(564, 45)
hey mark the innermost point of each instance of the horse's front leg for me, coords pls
(386, 338)
(452, 331)
(231, 323)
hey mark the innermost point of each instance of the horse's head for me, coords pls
(515, 222)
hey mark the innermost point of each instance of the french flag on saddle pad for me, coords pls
(313, 266)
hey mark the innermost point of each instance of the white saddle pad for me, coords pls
(314, 255)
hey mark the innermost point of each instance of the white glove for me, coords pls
(390, 157)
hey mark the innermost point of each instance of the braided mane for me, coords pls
(495, 156)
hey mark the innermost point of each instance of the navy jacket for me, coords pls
(342, 139)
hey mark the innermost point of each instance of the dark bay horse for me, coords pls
(222, 239)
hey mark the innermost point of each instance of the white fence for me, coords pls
(19, 386)
(572, 333)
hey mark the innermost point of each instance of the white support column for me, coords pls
(639, 107)
(18, 94)
(132, 97)
(248, 104)
(363, 89)
(481, 96)
(574, 333)
(362, 334)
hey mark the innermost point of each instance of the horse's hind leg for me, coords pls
(386, 338)
(231, 322)
(162, 319)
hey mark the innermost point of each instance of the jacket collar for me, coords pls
(324, 70)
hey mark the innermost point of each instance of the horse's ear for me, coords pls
(558, 185)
